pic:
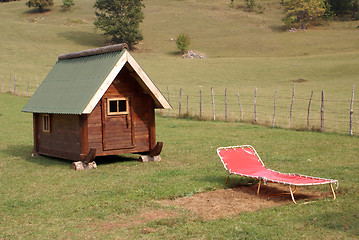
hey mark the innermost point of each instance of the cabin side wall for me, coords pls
(142, 116)
(63, 140)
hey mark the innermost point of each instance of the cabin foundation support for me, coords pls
(80, 165)
(148, 158)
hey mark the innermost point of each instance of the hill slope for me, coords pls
(244, 50)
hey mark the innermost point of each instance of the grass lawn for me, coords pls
(43, 198)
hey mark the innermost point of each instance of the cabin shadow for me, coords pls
(105, 160)
(25, 152)
(83, 38)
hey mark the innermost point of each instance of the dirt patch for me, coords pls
(300, 80)
(233, 201)
(146, 215)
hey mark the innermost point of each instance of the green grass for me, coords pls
(43, 198)
(49, 200)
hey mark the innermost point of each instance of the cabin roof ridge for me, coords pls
(95, 51)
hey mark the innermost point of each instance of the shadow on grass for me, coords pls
(272, 191)
(25, 151)
(175, 53)
(37, 11)
(279, 28)
(233, 181)
(105, 160)
(83, 38)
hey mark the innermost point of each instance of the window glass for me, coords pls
(122, 105)
(113, 106)
(46, 123)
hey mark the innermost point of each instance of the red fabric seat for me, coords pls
(244, 161)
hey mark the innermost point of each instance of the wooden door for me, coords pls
(117, 124)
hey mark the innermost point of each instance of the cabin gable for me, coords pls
(132, 130)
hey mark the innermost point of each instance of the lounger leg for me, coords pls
(227, 178)
(331, 187)
(291, 193)
(259, 187)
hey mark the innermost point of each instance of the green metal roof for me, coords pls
(71, 84)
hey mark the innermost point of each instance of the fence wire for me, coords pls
(325, 114)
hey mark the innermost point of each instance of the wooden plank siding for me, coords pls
(64, 138)
(141, 117)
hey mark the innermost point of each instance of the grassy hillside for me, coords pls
(244, 50)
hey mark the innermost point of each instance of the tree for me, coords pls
(342, 7)
(302, 12)
(41, 4)
(66, 4)
(120, 19)
(183, 41)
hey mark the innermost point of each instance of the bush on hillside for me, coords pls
(67, 4)
(41, 4)
(300, 13)
(183, 41)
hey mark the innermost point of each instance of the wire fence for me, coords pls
(15, 84)
(309, 112)
(306, 112)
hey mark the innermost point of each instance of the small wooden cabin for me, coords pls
(96, 102)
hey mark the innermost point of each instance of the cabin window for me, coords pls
(117, 106)
(46, 122)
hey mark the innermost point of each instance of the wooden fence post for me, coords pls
(27, 89)
(168, 96)
(200, 103)
(37, 83)
(255, 105)
(15, 84)
(214, 109)
(291, 107)
(351, 112)
(322, 114)
(240, 107)
(310, 101)
(10, 84)
(187, 105)
(225, 105)
(19, 92)
(179, 102)
(275, 106)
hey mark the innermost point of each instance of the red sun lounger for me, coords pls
(244, 161)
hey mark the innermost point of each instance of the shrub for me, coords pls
(183, 41)
(67, 4)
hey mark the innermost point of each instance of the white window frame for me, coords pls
(118, 105)
(46, 123)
